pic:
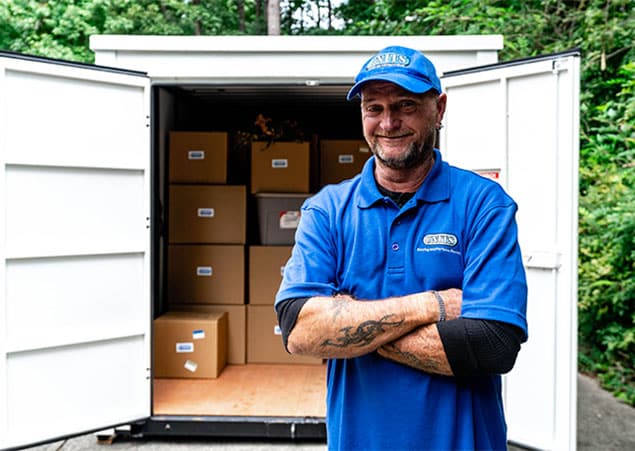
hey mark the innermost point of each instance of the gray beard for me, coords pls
(414, 156)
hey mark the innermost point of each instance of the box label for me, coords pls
(198, 334)
(279, 163)
(191, 365)
(184, 347)
(364, 149)
(277, 330)
(345, 159)
(282, 270)
(205, 212)
(196, 155)
(204, 271)
(289, 219)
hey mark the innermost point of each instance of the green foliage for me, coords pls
(55, 28)
(61, 28)
(607, 240)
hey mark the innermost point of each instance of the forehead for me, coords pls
(378, 89)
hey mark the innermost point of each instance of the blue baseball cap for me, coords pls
(403, 66)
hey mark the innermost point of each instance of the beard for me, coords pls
(415, 154)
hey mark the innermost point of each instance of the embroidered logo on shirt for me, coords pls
(440, 239)
(439, 242)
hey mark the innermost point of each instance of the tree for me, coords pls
(273, 17)
(61, 28)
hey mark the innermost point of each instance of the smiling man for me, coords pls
(409, 279)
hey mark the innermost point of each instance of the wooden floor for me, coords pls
(247, 390)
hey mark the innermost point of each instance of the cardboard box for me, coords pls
(206, 274)
(264, 341)
(278, 217)
(190, 345)
(266, 265)
(236, 327)
(280, 167)
(210, 214)
(341, 159)
(198, 157)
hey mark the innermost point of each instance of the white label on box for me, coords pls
(184, 347)
(279, 163)
(345, 159)
(289, 219)
(191, 365)
(204, 271)
(364, 149)
(277, 330)
(196, 155)
(282, 270)
(205, 212)
(198, 334)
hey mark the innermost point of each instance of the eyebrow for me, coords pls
(398, 99)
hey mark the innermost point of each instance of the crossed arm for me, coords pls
(400, 328)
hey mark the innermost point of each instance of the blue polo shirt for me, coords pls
(457, 231)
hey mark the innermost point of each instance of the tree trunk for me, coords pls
(240, 5)
(273, 17)
(197, 24)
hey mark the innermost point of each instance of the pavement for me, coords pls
(604, 424)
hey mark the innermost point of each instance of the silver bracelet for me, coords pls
(441, 305)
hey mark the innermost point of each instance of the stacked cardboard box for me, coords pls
(264, 340)
(190, 345)
(341, 159)
(207, 236)
(208, 272)
(198, 157)
(280, 183)
(280, 167)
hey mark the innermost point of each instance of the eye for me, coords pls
(373, 110)
(407, 106)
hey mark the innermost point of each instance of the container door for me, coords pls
(74, 249)
(518, 124)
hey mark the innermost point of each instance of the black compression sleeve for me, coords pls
(476, 347)
(288, 311)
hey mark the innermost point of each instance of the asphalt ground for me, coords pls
(604, 424)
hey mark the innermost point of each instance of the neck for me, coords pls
(403, 180)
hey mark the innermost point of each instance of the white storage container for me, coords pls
(83, 183)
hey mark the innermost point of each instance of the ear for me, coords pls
(442, 101)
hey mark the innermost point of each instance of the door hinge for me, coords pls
(558, 66)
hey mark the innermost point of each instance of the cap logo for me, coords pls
(388, 60)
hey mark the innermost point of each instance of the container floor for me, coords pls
(247, 390)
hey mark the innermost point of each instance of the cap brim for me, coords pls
(405, 81)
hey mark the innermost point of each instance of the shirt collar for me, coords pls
(435, 187)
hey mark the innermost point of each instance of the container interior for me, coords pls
(245, 112)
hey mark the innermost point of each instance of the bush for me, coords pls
(607, 241)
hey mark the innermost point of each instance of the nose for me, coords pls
(390, 120)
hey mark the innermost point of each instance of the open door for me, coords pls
(518, 123)
(74, 248)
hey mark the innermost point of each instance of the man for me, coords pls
(409, 279)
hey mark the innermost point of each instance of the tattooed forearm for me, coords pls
(339, 304)
(407, 358)
(364, 334)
